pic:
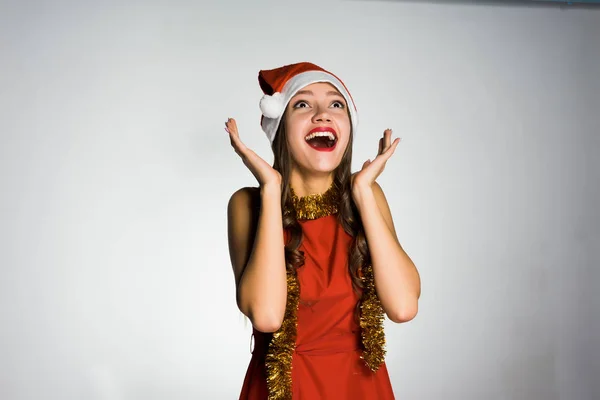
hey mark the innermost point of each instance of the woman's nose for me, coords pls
(321, 115)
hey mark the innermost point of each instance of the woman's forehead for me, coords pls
(319, 88)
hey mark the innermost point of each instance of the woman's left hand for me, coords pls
(372, 169)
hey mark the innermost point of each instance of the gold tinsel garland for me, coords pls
(315, 206)
(283, 343)
(371, 322)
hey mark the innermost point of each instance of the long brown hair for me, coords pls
(348, 216)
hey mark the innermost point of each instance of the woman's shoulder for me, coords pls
(245, 199)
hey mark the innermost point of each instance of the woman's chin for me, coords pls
(322, 169)
(321, 166)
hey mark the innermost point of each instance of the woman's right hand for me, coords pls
(265, 174)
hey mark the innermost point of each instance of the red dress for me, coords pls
(326, 363)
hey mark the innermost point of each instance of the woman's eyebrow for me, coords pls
(309, 92)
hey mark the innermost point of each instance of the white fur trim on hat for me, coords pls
(273, 107)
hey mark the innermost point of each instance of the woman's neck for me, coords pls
(307, 185)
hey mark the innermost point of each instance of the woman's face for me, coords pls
(317, 128)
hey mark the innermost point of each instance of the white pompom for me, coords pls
(272, 106)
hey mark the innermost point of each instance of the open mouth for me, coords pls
(322, 139)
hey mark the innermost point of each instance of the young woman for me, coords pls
(315, 255)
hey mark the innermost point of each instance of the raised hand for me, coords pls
(262, 171)
(372, 169)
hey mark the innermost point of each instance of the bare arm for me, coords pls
(256, 249)
(397, 280)
(255, 234)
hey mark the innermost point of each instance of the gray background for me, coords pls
(115, 280)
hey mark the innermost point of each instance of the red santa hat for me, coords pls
(279, 85)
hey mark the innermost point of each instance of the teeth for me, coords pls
(316, 134)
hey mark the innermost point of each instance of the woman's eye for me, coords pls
(301, 104)
(338, 104)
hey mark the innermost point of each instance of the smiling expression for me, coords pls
(317, 127)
